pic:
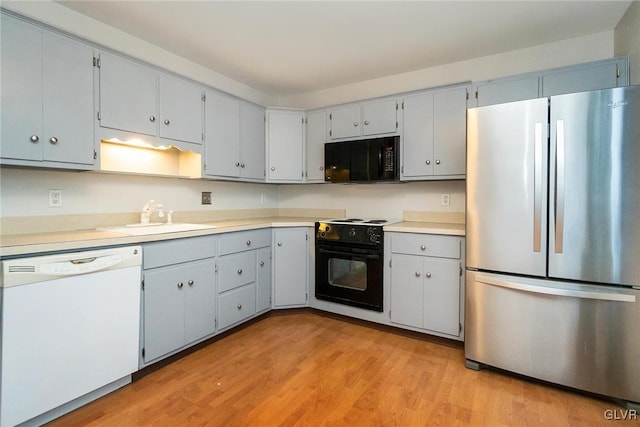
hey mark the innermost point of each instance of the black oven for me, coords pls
(349, 264)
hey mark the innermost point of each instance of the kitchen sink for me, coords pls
(155, 228)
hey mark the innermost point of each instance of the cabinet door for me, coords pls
(442, 295)
(581, 79)
(290, 254)
(285, 141)
(500, 91)
(380, 117)
(67, 100)
(407, 290)
(222, 146)
(417, 150)
(316, 138)
(199, 286)
(128, 95)
(263, 280)
(450, 132)
(181, 110)
(163, 311)
(21, 73)
(252, 144)
(345, 122)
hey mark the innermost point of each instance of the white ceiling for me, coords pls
(289, 47)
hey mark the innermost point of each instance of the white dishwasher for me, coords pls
(70, 330)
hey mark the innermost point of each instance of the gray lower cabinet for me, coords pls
(290, 267)
(427, 285)
(179, 292)
(243, 287)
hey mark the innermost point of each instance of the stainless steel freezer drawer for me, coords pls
(581, 336)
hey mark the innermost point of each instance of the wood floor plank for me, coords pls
(306, 369)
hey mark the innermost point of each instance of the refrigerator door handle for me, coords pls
(559, 186)
(604, 296)
(537, 190)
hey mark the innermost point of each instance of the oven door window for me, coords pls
(346, 273)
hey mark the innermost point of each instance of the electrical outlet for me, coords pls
(445, 199)
(263, 198)
(206, 197)
(55, 198)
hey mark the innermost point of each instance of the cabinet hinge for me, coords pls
(142, 352)
(330, 116)
(467, 95)
(306, 237)
(306, 296)
(302, 176)
(389, 314)
(215, 323)
(403, 105)
(617, 72)
(306, 121)
(396, 106)
(215, 268)
(460, 270)
(99, 115)
(142, 284)
(389, 263)
(330, 133)
(204, 97)
(303, 120)
(476, 93)
(459, 328)
(402, 169)
(396, 125)
(202, 137)
(96, 61)
(95, 154)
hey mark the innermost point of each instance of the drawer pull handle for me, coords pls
(423, 247)
(261, 263)
(428, 162)
(417, 274)
(239, 306)
(180, 285)
(239, 271)
(428, 275)
(53, 140)
(152, 118)
(279, 243)
(34, 138)
(190, 282)
(248, 242)
(167, 122)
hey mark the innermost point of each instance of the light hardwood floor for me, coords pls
(307, 369)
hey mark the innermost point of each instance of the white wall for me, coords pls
(627, 40)
(551, 55)
(25, 193)
(375, 200)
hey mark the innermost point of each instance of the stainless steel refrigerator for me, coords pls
(553, 240)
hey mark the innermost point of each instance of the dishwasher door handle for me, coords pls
(604, 296)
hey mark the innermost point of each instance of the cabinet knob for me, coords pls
(422, 247)
(237, 164)
(241, 165)
(180, 285)
(167, 122)
(34, 138)
(239, 306)
(366, 122)
(248, 242)
(321, 168)
(279, 243)
(190, 282)
(152, 118)
(428, 162)
(239, 271)
(53, 140)
(417, 274)
(261, 263)
(355, 124)
(437, 162)
(428, 275)
(273, 168)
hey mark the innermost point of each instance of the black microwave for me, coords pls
(366, 160)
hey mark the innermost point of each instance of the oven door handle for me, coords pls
(349, 254)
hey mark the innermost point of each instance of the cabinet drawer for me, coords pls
(237, 270)
(236, 305)
(177, 251)
(426, 244)
(244, 240)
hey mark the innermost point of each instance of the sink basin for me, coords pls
(155, 228)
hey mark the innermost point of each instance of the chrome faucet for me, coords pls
(149, 208)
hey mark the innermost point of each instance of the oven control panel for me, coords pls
(349, 233)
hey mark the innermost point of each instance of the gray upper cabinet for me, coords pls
(365, 119)
(316, 137)
(47, 98)
(234, 145)
(138, 99)
(595, 75)
(581, 78)
(285, 145)
(434, 135)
